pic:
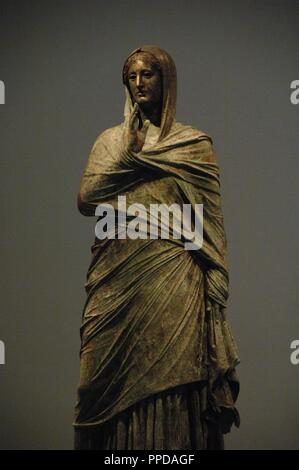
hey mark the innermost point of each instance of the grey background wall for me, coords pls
(61, 64)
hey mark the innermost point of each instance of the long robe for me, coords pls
(154, 319)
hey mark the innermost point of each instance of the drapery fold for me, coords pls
(155, 313)
(154, 321)
(171, 420)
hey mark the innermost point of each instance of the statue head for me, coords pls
(142, 76)
(149, 75)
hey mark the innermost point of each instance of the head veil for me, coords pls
(169, 81)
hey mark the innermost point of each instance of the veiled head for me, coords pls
(158, 73)
(143, 78)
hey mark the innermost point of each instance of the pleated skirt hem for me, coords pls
(170, 420)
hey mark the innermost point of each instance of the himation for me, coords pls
(135, 221)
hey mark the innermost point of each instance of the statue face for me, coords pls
(145, 83)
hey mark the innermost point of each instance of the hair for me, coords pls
(132, 58)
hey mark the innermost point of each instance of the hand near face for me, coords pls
(136, 137)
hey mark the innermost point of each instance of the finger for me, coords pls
(134, 115)
(146, 124)
(145, 127)
(134, 110)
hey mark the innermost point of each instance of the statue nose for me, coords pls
(138, 80)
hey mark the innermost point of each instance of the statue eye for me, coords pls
(148, 74)
(132, 76)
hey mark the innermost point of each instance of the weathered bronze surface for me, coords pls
(158, 358)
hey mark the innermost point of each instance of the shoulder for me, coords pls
(203, 142)
(187, 132)
(110, 134)
(108, 139)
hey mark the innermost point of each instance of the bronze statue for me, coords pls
(157, 360)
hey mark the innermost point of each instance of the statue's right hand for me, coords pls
(136, 137)
(133, 128)
(133, 120)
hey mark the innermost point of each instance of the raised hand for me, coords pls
(136, 137)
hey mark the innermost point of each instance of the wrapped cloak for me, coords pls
(154, 317)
